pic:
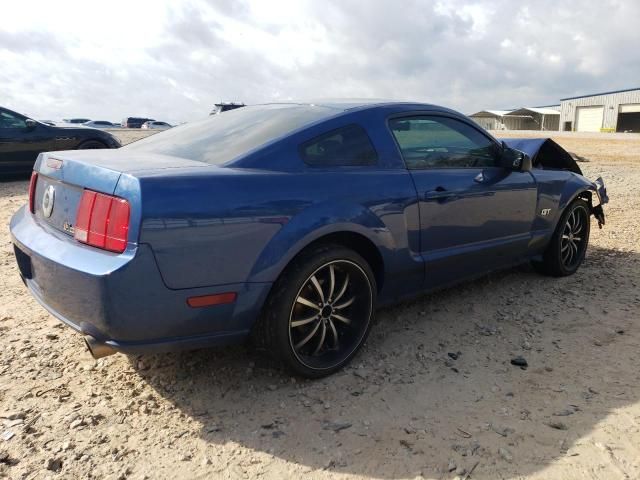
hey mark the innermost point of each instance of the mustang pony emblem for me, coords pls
(47, 201)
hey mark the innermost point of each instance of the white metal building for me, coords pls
(537, 118)
(490, 119)
(526, 118)
(617, 111)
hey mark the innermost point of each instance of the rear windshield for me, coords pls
(219, 139)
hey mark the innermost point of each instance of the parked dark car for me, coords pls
(225, 107)
(23, 139)
(135, 122)
(76, 120)
(290, 223)
(100, 124)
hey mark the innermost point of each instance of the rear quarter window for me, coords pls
(343, 147)
(219, 139)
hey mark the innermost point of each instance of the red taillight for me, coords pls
(102, 221)
(32, 191)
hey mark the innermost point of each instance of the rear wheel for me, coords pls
(567, 247)
(91, 145)
(320, 311)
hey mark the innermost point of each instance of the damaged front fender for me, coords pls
(592, 192)
(548, 155)
(600, 190)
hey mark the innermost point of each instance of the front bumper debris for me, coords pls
(601, 192)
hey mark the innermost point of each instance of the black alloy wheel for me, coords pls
(573, 241)
(568, 245)
(330, 314)
(319, 311)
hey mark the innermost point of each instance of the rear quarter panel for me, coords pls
(238, 225)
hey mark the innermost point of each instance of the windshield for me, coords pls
(219, 139)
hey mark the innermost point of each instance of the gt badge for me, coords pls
(545, 211)
(47, 201)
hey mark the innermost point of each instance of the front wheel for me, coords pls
(320, 311)
(568, 246)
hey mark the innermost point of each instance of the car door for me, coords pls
(21, 143)
(475, 216)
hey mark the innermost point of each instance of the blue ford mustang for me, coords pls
(290, 223)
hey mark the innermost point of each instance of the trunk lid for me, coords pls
(62, 177)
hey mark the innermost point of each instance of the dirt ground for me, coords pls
(128, 135)
(432, 394)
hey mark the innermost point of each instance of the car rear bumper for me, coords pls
(121, 300)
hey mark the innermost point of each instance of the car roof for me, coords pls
(345, 104)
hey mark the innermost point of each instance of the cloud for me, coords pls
(173, 61)
(25, 42)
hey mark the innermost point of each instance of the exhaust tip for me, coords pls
(98, 349)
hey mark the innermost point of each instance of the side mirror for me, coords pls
(515, 160)
(31, 124)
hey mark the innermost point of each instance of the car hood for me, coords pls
(544, 153)
(71, 127)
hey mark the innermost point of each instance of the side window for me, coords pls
(441, 142)
(7, 120)
(346, 146)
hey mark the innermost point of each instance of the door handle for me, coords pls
(440, 194)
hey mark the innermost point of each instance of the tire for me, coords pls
(91, 145)
(568, 245)
(313, 324)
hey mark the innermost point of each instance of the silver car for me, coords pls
(100, 124)
(154, 125)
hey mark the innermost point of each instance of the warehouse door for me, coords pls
(629, 118)
(589, 119)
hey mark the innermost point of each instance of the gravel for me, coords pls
(409, 414)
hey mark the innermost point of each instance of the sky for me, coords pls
(173, 60)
